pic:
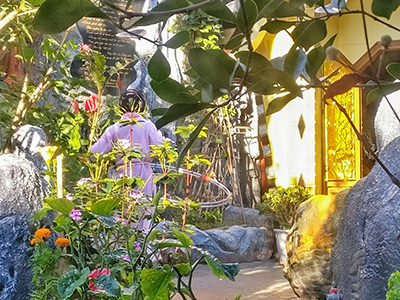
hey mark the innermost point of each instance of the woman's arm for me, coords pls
(105, 143)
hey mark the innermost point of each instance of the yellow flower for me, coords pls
(36, 240)
(62, 242)
(42, 233)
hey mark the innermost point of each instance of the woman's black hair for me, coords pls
(133, 101)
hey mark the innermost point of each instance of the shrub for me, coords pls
(283, 204)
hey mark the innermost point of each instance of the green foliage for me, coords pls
(393, 292)
(283, 204)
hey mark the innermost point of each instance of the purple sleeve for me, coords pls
(105, 143)
(155, 136)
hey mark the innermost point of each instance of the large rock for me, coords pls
(367, 248)
(309, 245)
(387, 127)
(21, 195)
(248, 216)
(236, 243)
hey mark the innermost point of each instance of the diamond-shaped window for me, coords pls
(301, 125)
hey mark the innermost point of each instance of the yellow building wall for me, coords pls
(350, 39)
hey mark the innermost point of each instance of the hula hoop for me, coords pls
(228, 195)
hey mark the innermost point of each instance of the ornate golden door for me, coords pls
(340, 161)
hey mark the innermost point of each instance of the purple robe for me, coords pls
(139, 136)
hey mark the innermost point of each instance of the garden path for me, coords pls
(256, 281)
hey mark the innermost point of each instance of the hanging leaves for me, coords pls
(178, 40)
(343, 85)
(275, 26)
(278, 103)
(295, 62)
(394, 70)
(309, 33)
(173, 92)
(55, 16)
(384, 8)
(250, 10)
(377, 93)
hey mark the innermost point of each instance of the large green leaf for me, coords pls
(250, 10)
(70, 281)
(235, 42)
(109, 284)
(384, 8)
(158, 67)
(274, 26)
(173, 92)
(165, 6)
(377, 93)
(155, 283)
(394, 70)
(295, 62)
(316, 57)
(180, 110)
(220, 269)
(104, 207)
(309, 33)
(61, 205)
(217, 9)
(178, 40)
(278, 103)
(278, 9)
(185, 240)
(55, 16)
(257, 61)
(193, 136)
(270, 77)
(213, 66)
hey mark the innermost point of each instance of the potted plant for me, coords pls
(283, 204)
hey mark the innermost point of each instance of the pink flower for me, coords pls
(95, 274)
(137, 246)
(126, 257)
(76, 214)
(69, 197)
(83, 180)
(136, 195)
(84, 47)
(92, 104)
(75, 106)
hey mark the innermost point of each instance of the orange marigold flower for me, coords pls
(42, 233)
(36, 241)
(62, 242)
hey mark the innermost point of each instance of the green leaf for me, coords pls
(173, 92)
(257, 62)
(270, 77)
(180, 110)
(164, 6)
(235, 42)
(238, 297)
(109, 284)
(207, 93)
(55, 16)
(278, 103)
(158, 67)
(251, 11)
(156, 198)
(70, 281)
(104, 207)
(107, 220)
(61, 205)
(295, 62)
(377, 93)
(193, 136)
(178, 40)
(155, 283)
(275, 26)
(219, 269)
(184, 269)
(182, 237)
(217, 9)
(316, 57)
(153, 235)
(279, 9)
(394, 70)
(213, 66)
(167, 243)
(384, 8)
(309, 33)
(158, 111)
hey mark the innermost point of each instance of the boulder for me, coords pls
(21, 195)
(252, 217)
(236, 243)
(309, 246)
(367, 247)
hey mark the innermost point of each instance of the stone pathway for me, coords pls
(256, 281)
